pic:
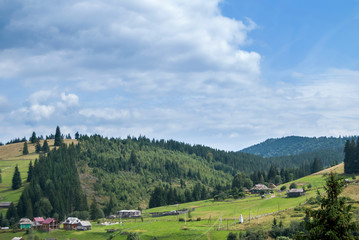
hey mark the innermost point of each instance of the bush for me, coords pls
(198, 219)
(133, 236)
(284, 187)
(181, 219)
(256, 234)
(293, 185)
(232, 236)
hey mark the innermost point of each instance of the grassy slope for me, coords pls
(210, 212)
(10, 156)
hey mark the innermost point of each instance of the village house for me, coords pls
(84, 225)
(245, 190)
(37, 222)
(5, 204)
(71, 223)
(50, 224)
(259, 188)
(25, 223)
(296, 192)
(129, 213)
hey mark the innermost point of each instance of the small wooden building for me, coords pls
(37, 222)
(259, 188)
(84, 225)
(296, 192)
(25, 223)
(5, 204)
(129, 213)
(50, 224)
(71, 223)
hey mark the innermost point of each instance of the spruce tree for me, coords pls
(37, 147)
(29, 172)
(45, 147)
(33, 138)
(11, 214)
(333, 220)
(16, 179)
(25, 150)
(58, 138)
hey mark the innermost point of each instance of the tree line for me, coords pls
(351, 159)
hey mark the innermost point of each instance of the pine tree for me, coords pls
(25, 150)
(29, 172)
(11, 214)
(58, 138)
(333, 220)
(16, 179)
(37, 147)
(45, 147)
(33, 138)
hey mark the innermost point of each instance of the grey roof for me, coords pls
(296, 190)
(260, 187)
(85, 223)
(25, 221)
(71, 220)
(5, 204)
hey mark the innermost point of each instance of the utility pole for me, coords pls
(258, 216)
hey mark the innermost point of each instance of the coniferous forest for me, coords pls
(129, 173)
(54, 189)
(351, 159)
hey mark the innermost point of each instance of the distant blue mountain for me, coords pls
(294, 145)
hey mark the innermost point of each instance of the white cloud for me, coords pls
(80, 40)
(70, 99)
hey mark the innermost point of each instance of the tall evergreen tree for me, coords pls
(25, 150)
(45, 147)
(29, 172)
(11, 214)
(16, 179)
(38, 147)
(33, 138)
(58, 137)
(333, 220)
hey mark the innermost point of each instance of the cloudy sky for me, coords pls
(227, 74)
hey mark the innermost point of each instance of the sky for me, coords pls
(225, 74)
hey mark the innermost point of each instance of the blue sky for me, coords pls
(227, 74)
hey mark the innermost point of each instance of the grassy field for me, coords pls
(217, 218)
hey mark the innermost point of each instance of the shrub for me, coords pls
(181, 219)
(284, 187)
(232, 236)
(293, 185)
(198, 219)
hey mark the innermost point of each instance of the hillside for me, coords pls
(294, 145)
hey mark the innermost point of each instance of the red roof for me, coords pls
(39, 219)
(48, 220)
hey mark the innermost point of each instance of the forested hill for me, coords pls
(294, 145)
(127, 170)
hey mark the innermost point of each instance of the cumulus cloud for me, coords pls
(79, 40)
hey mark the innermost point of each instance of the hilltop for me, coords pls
(295, 146)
